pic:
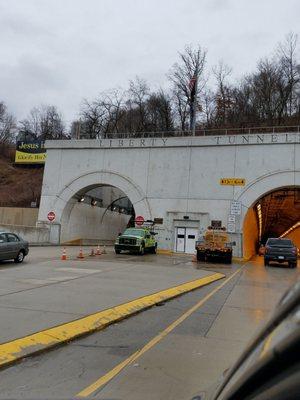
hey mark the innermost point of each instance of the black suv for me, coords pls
(281, 250)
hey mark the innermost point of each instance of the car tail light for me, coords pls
(294, 251)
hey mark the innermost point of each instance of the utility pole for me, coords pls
(193, 85)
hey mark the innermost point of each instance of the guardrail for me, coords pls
(204, 132)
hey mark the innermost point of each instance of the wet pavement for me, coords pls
(45, 291)
(184, 363)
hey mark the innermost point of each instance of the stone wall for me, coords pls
(34, 235)
(92, 224)
(18, 216)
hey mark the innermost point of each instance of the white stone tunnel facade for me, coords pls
(175, 179)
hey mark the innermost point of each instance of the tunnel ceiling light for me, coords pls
(292, 228)
(259, 216)
(93, 202)
(81, 199)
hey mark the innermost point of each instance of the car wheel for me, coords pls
(154, 249)
(117, 251)
(142, 250)
(292, 264)
(20, 257)
(266, 262)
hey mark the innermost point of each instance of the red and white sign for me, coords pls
(139, 220)
(51, 216)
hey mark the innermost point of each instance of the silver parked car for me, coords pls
(12, 247)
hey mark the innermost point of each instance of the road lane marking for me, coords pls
(103, 380)
(78, 270)
(18, 349)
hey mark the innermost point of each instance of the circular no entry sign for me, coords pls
(139, 220)
(51, 216)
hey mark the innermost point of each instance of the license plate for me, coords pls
(280, 257)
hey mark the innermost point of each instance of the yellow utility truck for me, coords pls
(214, 245)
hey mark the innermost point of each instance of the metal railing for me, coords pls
(204, 132)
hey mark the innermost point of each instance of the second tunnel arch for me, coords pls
(252, 194)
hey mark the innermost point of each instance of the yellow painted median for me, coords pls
(15, 350)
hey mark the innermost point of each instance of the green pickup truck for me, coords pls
(136, 240)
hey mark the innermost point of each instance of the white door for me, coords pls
(180, 240)
(190, 240)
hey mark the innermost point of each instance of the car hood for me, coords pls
(131, 237)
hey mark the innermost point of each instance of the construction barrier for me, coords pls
(80, 255)
(64, 255)
(92, 253)
(98, 252)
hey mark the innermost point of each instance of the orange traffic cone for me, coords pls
(80, 255)
(92, 254)
(64, 255)
(104, 250)
(98, 252)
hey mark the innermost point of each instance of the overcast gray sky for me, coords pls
(60, 51)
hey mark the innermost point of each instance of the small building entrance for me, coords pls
(185, 240)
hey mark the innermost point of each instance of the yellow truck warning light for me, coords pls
(233, 181)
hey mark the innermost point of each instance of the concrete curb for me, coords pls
(16, 350)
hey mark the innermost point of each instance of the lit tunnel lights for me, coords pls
(291, 229)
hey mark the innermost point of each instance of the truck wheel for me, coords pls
(200, 256)
(229, 259)
(142, 250)
(117, 251)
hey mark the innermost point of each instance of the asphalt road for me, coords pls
(180, 364)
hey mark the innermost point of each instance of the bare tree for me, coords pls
(113, 103)
(187, 78)
(138, 94)
(44, 122)
(223, 95)
(159, 112)
(286, 52)
(102, 115)
(92, 114)
(181, 110)
(209, 108)
(7, 125)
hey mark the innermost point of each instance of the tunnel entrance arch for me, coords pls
(272, 213)
(96, 215)
(66, 205)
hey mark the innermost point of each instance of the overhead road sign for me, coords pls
(233, 181)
